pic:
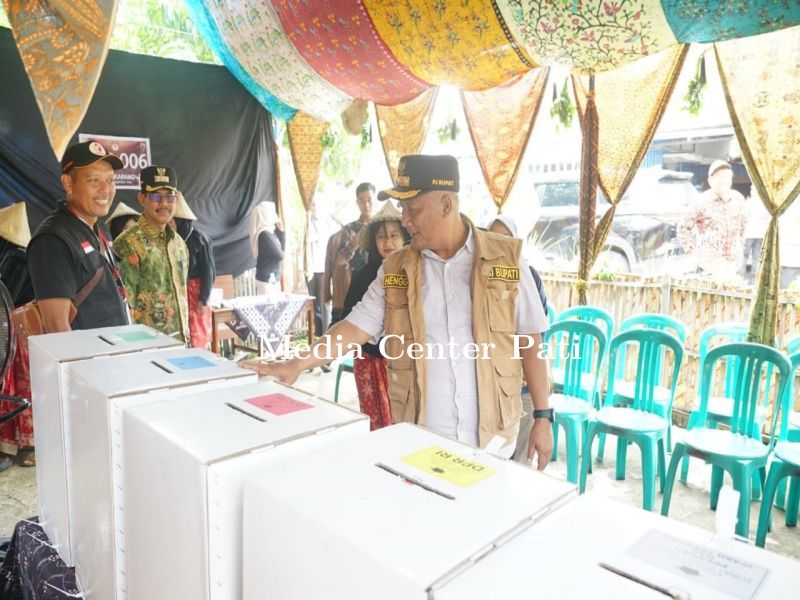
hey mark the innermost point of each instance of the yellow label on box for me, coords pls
(449, 466)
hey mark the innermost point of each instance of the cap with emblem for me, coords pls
(717, 165)
(420, 173)
(88, 153)
(157, 177)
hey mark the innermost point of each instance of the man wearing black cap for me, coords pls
(69, 257)
(461, 321)
(154, 258)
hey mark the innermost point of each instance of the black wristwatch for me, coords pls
(545, 413)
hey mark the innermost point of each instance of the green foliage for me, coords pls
(449, 131)
(343, 154)
(693, 99)
(563, 109)
(3, 18)
(159, 28)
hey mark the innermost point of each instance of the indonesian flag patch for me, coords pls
(87, 247)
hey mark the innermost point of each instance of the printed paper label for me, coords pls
(278, 404)
(187, 363)
(135, 336)
(449, 466)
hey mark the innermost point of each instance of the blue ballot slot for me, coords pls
(187, 363)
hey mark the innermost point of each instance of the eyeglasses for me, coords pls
(155, 197)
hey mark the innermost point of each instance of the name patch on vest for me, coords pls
(395, 281)
(504, 273)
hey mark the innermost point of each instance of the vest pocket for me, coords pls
(502, 309)
(508, 395)
(400, 382)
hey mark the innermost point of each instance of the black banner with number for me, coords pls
(198, 119)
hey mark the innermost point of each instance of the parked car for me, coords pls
(643, 233)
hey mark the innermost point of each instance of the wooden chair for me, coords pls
(219, 330)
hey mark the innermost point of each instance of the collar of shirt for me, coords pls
(467, 248)
(154, 233)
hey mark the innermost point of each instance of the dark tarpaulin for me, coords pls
(199, 119)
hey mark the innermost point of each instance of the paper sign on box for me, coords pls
(187, 363)
(449, 466)
(278, 404)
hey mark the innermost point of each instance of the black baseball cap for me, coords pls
(157, 177)
(88, 153)
(420, 173)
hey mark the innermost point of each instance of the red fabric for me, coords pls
(18, 432)
(373, 390)
(340, 42)
(199, 325)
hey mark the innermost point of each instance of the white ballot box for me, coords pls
(99, 391)
(50, 355)
(183, 491)
(598, 548)
(384, 516)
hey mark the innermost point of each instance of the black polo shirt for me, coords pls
(63, 255)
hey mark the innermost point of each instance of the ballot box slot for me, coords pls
(244, 412)
(414, 481)
(162, 367)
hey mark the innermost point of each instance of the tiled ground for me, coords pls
(689, 503)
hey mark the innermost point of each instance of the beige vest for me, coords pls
(494, 290)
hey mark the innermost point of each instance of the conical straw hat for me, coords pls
(182, 210)
(389, 212)
(122, 210)
(14, 225)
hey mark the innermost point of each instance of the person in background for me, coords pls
(15, 234)
(713, 230)
(757, 220)
(154, 259)
(122, 219)
(268, 241)
(505, 225)
(383, 236)
(343, 256)
(320, 229)
(202, 273)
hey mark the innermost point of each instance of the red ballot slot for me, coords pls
(278, 404)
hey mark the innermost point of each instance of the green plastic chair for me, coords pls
(785, 464)
(624, 389)
(790, 432)
(589, 314)
(720, 408)
(739, 451)
(642, 423)
(572, 406)
(792, 418)
(346, 364)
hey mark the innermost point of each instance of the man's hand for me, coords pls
(200, 309)
(541, 442)
(285, 372)
(279, 224)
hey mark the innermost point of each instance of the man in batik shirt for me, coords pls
(153, 258)
(712, 231)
